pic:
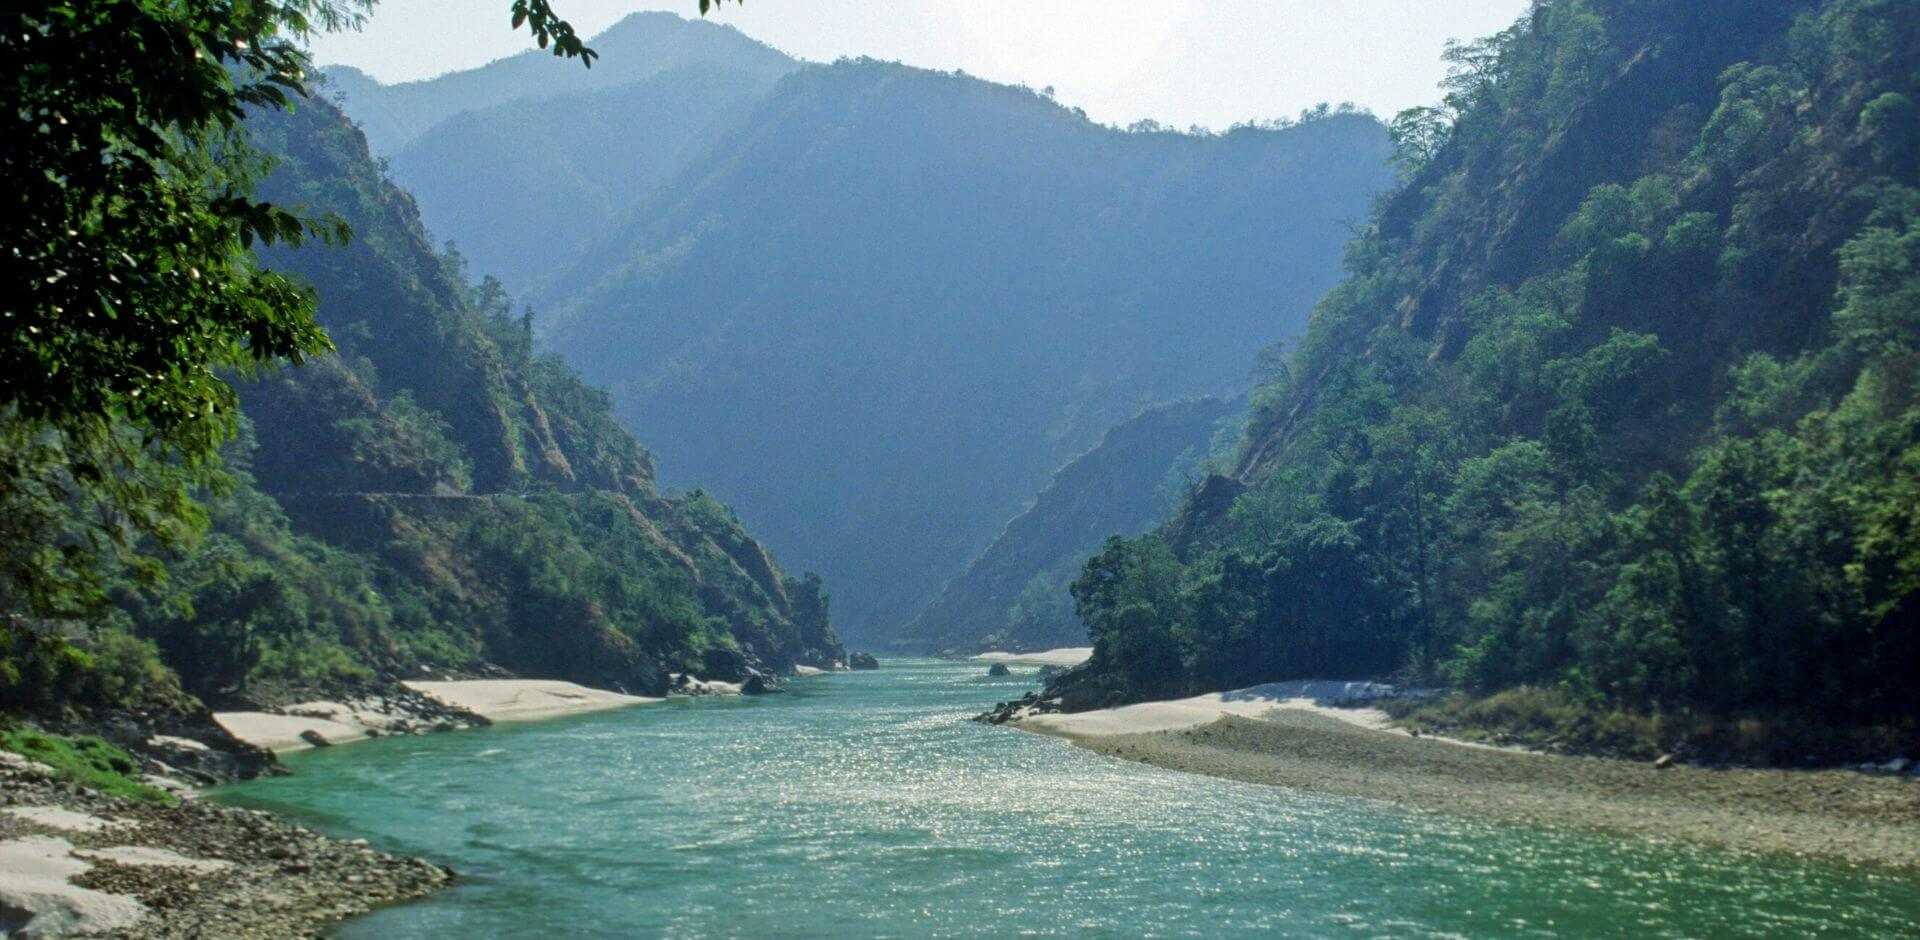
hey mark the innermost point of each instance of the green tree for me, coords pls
(127, 247)
(1418, 134)
(1129, 598)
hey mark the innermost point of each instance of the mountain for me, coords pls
(641, 46)
(433, 497)
(1616, 402)
(505, 517)
(893, 301)
(517, 183)
(1014, 595)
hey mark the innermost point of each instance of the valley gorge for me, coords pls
(698, 475)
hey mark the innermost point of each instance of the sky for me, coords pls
(1211, 63)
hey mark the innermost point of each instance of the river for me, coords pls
(864, 804)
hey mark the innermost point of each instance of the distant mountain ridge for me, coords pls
(514, 185)
(896, 300)
(874, 307)
(638, 47)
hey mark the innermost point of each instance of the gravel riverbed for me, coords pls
(74, 861)
(1832, 814)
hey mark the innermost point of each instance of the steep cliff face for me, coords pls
(1014, 596)
(1630, 99)
(461, 500)
(409, 326)
(1617, 398)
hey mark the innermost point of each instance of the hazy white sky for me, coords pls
(1182, 62)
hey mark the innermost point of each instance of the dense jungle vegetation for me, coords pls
(240, 465)
(1618, 401)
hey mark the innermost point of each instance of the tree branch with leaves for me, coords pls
(127, 242)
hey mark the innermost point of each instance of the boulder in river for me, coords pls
(999, 669)
(862, 661)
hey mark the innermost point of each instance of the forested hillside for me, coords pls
(885, 309)
(433, 496)
(1618, 398)
(522, 164)
(521, 184)
(1014, 595)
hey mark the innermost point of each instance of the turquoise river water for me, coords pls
(865, 804)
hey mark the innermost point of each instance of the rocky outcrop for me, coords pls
(326, 723)
(1026, 706)
(187, 746)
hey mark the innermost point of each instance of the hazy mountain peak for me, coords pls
(789, 318)
(638, 47)
(646, 26)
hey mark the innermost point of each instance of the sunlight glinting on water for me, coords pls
(865, 804)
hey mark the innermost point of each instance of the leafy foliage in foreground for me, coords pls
(1619, 399)
(124, 245)
(436, 496)
(139, 298)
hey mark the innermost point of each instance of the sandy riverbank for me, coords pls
(424, 706)
(525, 699)
(1066, 657)
(1317, 696)
(1303, 745)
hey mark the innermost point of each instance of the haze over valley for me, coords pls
(915, 238)
(679, 471)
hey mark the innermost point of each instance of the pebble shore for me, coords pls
(1837, 815)
(79, 862)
